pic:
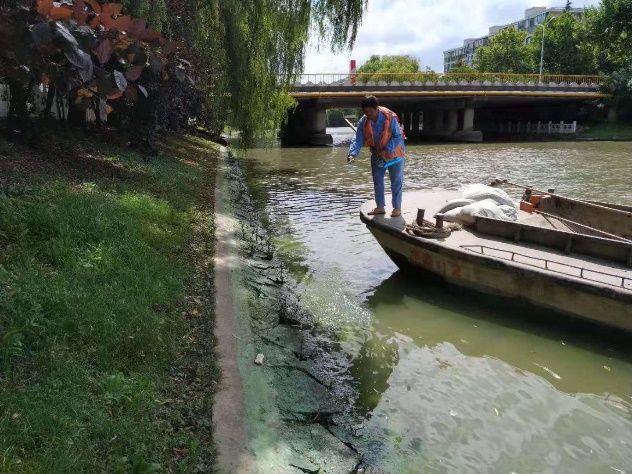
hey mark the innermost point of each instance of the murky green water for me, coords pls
(447, 380)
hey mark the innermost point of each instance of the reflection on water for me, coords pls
(448, 380)
(482, 383)
(522, 335)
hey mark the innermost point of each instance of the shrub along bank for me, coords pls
(106, 332)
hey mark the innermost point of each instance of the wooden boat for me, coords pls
(570, 256)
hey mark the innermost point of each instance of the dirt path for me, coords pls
(231, 437)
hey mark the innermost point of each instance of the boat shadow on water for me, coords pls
(449, 346)
(503, 312)
(574, 356)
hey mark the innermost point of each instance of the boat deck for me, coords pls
(581, 267)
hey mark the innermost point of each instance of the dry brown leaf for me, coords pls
(79, 12)
(44, 7)
(61, 13)
(115, 95)
(95, 6)
(123, 23)
(137, 28)
(110, 9)
(134, 72)
(107, 21)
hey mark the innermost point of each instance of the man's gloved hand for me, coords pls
(350, 158)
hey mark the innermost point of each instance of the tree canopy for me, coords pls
(241, 55)
(390, 64)
(566, 50)
(600, 44)
(387, 68)
(609, 29)
(460, 67)
(505, 52)
(96, 57)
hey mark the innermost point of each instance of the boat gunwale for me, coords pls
(620, 243)
(615, 207)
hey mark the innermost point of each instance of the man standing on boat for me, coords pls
(379, 129)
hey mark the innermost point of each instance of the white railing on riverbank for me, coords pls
(537, 128)
(38, 104)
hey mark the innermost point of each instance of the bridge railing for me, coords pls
(426, 78)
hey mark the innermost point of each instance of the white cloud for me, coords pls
(423, 29)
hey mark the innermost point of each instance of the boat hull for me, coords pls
(593, 303)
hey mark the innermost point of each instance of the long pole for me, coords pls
(542, 53)
(350, 124)
(612, 236)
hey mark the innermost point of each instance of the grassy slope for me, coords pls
(103, 311)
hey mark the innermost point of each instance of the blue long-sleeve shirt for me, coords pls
(378, 126)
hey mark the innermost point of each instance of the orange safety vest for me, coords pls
(385, 137)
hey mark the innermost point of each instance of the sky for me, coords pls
(423, 29)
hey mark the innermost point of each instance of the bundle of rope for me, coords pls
(430, 231)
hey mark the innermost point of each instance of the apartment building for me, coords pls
(532, 18)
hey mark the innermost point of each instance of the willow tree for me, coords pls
(265, 46)
(154, 11)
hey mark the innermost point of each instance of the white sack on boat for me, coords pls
(479, 200)
(511, 214)
(448, 206)
(486, 208)
(453, 215)
(478, 192)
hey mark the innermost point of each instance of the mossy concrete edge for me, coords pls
(229, 407)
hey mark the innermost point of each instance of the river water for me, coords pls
(446, 380)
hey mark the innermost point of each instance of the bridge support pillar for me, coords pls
(307, 125)
(454, 122)
(468, 134)
(468, 119)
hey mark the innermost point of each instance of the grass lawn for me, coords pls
(106, 306)
(608, 131)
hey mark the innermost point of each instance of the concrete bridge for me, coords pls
(443, 107)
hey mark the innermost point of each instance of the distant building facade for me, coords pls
(532, 18)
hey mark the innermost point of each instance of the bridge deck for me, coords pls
(429, 85)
